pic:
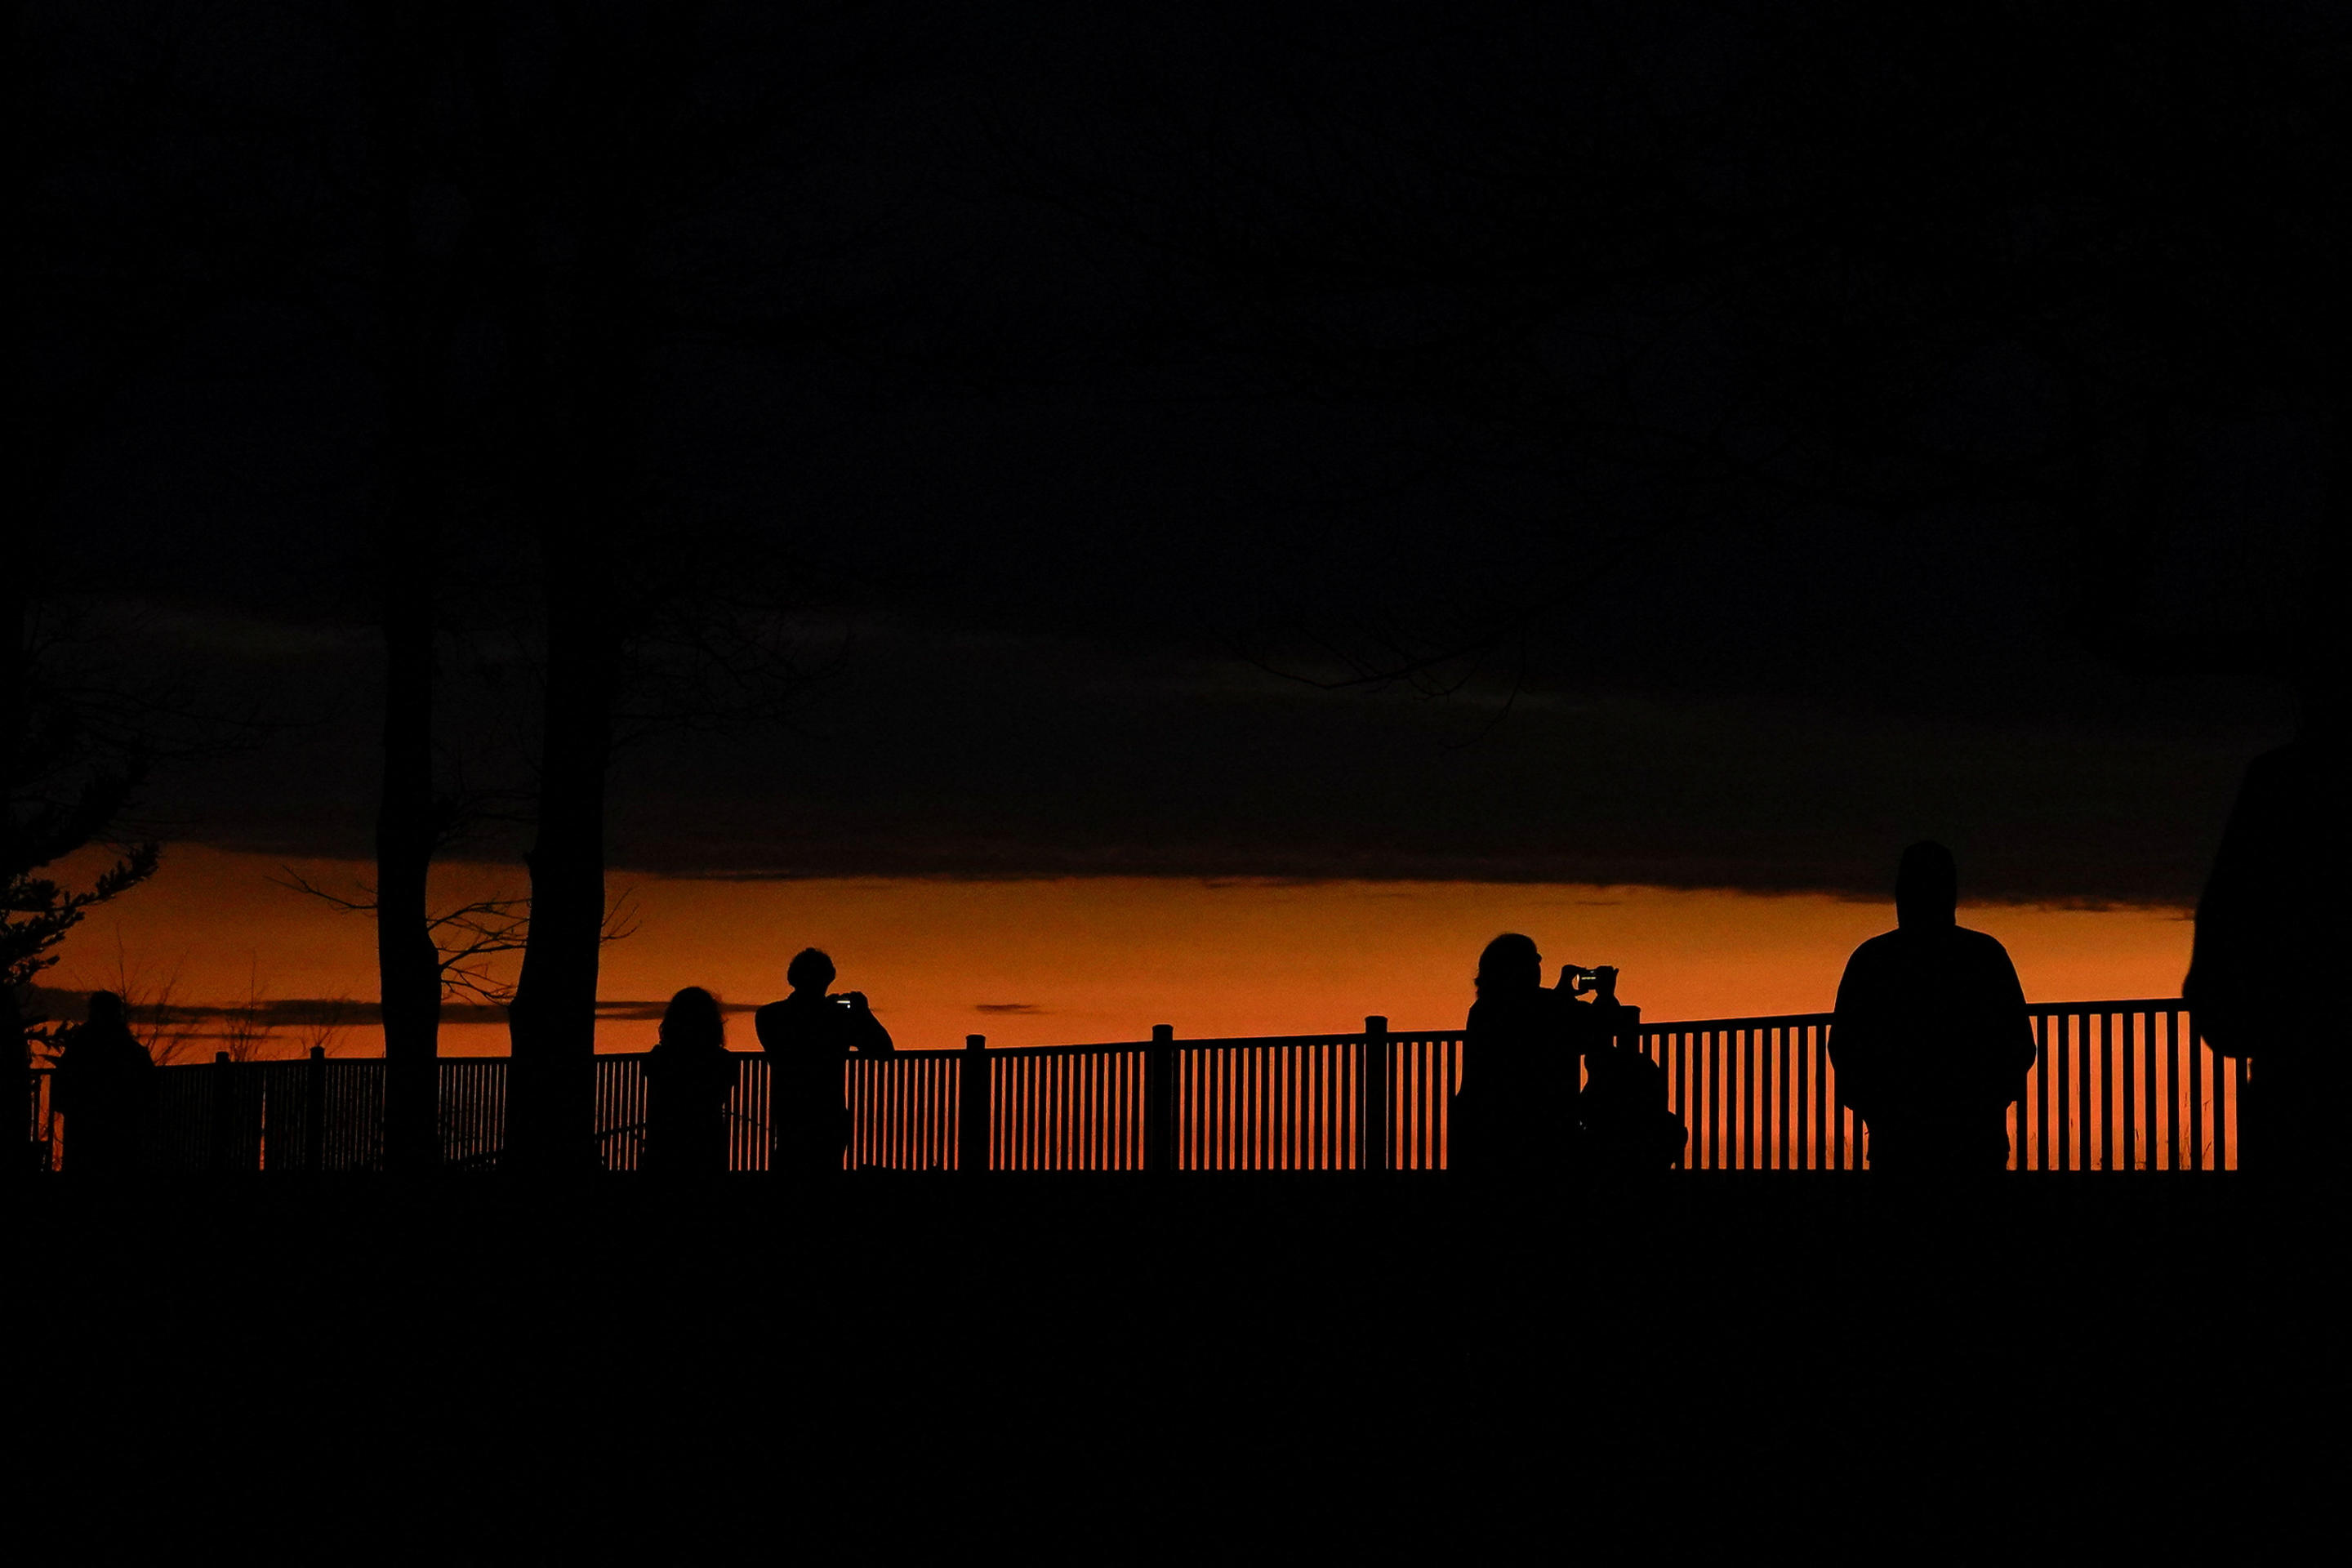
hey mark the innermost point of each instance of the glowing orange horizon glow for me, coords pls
(1068, 960)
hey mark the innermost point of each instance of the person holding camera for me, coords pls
(806, 1037)
(1515, 1114)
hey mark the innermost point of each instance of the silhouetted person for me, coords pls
(1622, 1110)
(688, 1074)
(2265, 977)
(807, 1035)
(1515, 1113)
(105, 1089)
(1931, 1042)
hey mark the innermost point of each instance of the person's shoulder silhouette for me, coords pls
(689, 1074)
(1514, 1112)
(1930, 1040)
(2273, 926)
(807, 1036)
(105, 1089)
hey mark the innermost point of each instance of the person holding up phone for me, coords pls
(1516, 1112)
(806, 1037)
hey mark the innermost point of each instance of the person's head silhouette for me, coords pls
(1926, 888)
(105, 1010)
(693, 1018)
(1510, 963)
(810, 970)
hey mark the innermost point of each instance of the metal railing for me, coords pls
(2115, 1086)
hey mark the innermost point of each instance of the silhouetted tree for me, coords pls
(418, 277)
(61, 787)
(115, 254)
(605, 136)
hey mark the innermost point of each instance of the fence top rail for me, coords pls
(1105, 1048)
(1225, 1043)
(1718, 1026)
(1241, 1042)
(2140, 1005)
(1793, 1020)
(1664, 1026)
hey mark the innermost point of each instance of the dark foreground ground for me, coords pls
(1103, 1369)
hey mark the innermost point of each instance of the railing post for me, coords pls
(314, 1111)
(225, 1109)
(1159, 1099)
(1372, 1116)
(972, 1103)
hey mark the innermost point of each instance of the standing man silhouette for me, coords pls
(1931, 1041)
(807, 1036)
(105, 1089)
(2264, 976)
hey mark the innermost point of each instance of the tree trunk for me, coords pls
(415, 337)
(552, 1021)
(578, 335)
(408, 962)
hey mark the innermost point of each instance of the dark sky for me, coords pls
(1101, 380)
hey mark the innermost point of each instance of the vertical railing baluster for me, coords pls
(2197, 1155)
(1681, 1039)
(2107, 1090)
(2225, 1118)
(2172, 1089)
(1249, 1119)
(1310, 1085)
(2031, 1113)
(2061, 1052)
(1711, 1114)
(1194, 1068)
(1801, 1156)
(2148, 1121)
(2133, 1080)
(1049, 1113)
(1261, 1123)
(1298, 1064)
(2086, 1103)
(1057, 1097)
(1231, 1070)
(1744, 1152)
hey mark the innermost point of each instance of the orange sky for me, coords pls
(1105, 958)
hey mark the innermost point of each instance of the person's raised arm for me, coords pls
(867, 1034)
